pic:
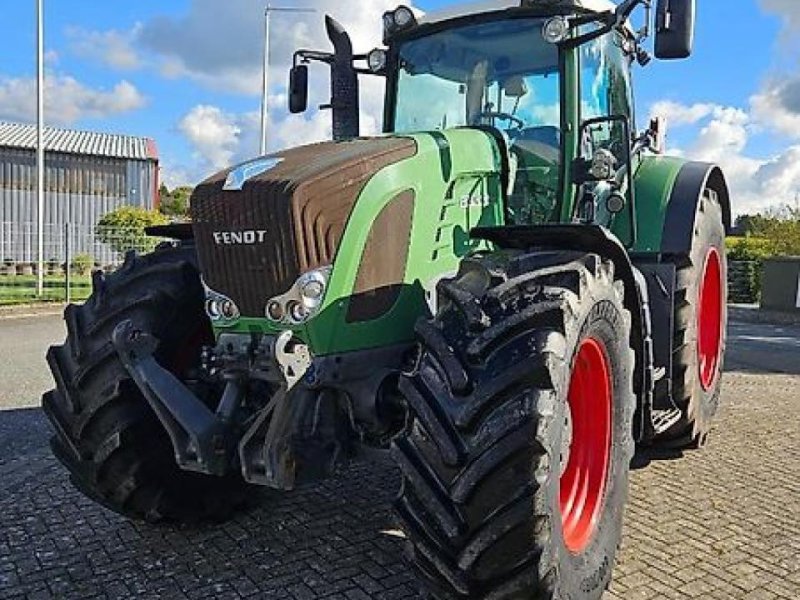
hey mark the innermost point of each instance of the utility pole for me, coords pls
(265, 90)
(40, 145)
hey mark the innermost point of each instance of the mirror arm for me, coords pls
(625, 9)
(609, 20)
(305, 56)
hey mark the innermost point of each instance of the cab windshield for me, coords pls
(498, 73)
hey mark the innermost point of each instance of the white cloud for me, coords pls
(66, 100)
(113, 48)
(220, 139)
(724, 136)
(51, 58)
(756, 184)
(777, 106)
(678, 114)
(222, 49)
(175, 176)
(213, 133)
(789, 12)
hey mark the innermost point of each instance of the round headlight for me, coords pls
(228, 309)
(388, 21)
(275, 311)
(403, 17)
(213, 309)
(615, 203)
(376, 60)
(313, 290)
(603, 165)
(297, 312)
(556, 30)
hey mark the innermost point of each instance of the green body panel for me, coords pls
(455, 177)
(654, 177)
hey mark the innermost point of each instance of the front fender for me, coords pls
(598, 240)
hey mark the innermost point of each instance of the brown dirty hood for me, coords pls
(254, 243)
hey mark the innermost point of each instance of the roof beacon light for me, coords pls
(556, 30)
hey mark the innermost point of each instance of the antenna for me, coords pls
(265, 91)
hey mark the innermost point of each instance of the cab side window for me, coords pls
(606, 83)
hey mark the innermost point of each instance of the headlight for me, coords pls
(397, 20)
(556, 30)
(376, 60)
(219, 308)
(403, 17)
(275, 311)
(301, 302)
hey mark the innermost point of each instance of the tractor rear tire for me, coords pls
(701, 322)
(516, 455)
(114, 446)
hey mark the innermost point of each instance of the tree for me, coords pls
(175, 203)
(124, 229)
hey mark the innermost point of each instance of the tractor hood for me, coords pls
(260, 225)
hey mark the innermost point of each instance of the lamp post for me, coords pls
(40, 146)
(265, 97)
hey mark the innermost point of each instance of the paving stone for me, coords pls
(723, 523)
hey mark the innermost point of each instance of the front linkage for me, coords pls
(302, 432)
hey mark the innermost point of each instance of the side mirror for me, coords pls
(675, 28)
(298, 89)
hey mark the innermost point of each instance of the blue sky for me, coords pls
(186, 73)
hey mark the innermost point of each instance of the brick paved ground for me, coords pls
(721, 524)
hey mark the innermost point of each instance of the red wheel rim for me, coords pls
(709, 319)
(583, 478)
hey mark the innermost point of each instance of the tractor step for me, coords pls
(664, 419)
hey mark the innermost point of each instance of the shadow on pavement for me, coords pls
(647, 454)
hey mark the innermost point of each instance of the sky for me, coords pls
(188, 74)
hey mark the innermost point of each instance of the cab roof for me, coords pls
(486, 6)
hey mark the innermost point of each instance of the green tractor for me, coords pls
(508, 291)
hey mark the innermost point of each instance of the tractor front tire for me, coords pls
(108, 437)
(701, 321)
(516, 456)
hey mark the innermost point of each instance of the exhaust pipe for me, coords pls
(344, 83)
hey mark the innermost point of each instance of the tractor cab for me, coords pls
(552, 80)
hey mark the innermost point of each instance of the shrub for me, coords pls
(82, 264)
(124, 229)
(749, 248)
(175, 203)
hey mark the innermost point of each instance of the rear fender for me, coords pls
(679, 220)
(668, 190)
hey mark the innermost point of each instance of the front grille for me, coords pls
(249, 274)
(294, 215)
